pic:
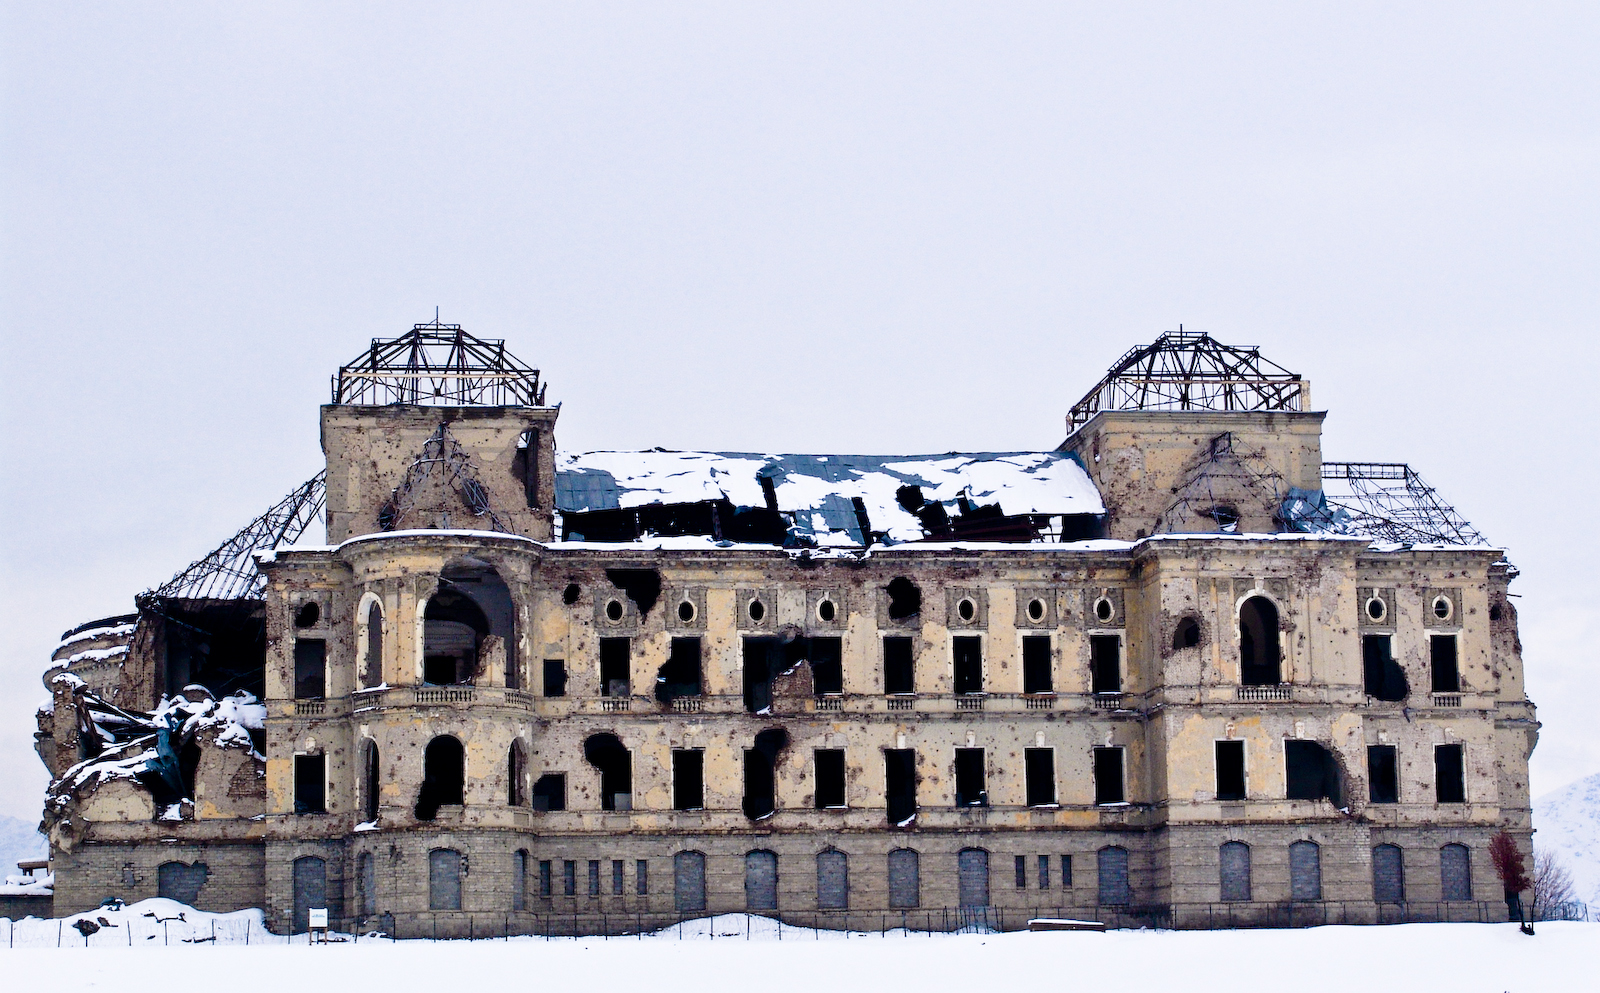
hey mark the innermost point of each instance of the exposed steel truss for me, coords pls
(1390, 502)
(438, 365)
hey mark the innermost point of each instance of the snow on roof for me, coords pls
(819, 488)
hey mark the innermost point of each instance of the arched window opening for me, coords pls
(905, 879)
(444, 879)
(444, 777)
(372, 650)
(310, 890)
(1235, 872)
(516, 772)
(469, 627)
(1305, 871)
(761, 880)
(1259, 654)
(833, 880)
(1115, 889)
(972, 878)
(369, 796)
(689, 881)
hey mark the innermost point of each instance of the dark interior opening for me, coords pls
(1383, 774)
(310, 668)
(968, 656)
(616, 664)
(764, 659)
(1259, 659)
(550, 791)
(373, 783)
(830, 778)
(1313, 773)
(900, 783)
(642, 586)
(372, 661)
(719, 519)
(1448, 774)
(308, 614)
(310, 784)
(516, 773)
(218, 644)
(453, 629)
(680, 676)
(1108, 787)
(1382, 677)
(905, 598)
(1036, 664)
(688, 779)
(1230, 770)
(1186, 634)
(555, 678)
(606, 753)
(1105, 663)
(970, 788)
(897, 667)
(1039, 770)
(444, 777)
(569, 596)
(1446, 673)
(760, 772)
(827, 665)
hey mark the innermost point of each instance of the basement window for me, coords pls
(1446, 673)
(1108, 783)
(968, 656)
(900, 784)
(550, 792)
(615, 662)
(1448, 770)
(1039, 767)
(310, 784)
(310, 668)
(1230, 770)
(970, 788)
(1383, 774)
(897, 669)
(1105, 663)
(830, 778)
(688, 779)
(1036, 664)
(1382, 677)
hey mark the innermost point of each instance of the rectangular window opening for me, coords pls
(1230, 770)
(830, 777)
(641, 877)
(569, 877)
(827, 665)
(544, 877)
(615, 662)
(1022, 872)
(550, 791)
(971, 790)
(967, 651)
(616, 877)
(1105, 663)
(1036, 664)
(1108, 776)
(1066, 872)
(900, 784)
(897, 667)
(1446, 673)
(555, 677)
(1039, 767)
(1383, 774)
(688, 780)
(681, 675)
(310, 784)
(1044, 872)
(1448, 772)
(594, 877)
(310, 668)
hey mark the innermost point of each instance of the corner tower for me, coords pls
(438, 429)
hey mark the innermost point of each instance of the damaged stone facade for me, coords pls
(470, 726)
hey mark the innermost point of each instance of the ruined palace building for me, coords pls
(1178, 671)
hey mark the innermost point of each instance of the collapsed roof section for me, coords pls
(1389, 501)
(1192, 371)
(438, 365)
(806, 500)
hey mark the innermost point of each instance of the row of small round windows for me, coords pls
(827, 611)
(1442, 607)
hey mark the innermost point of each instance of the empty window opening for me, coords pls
(1020, 871)
(688, 779)
(1186, 634)
(1312, 772)
(616, 660)
(966, 609)
(760, 773)
(967, 652)
(1234, 870)
(1382, 677)
(900, 784)
(757, 610)
(686, 611)
(763, 659)
(681, 674)
(570, 595)
(1105, 663)
(1442, 607)
(444, 879)
(1066, 872)
(1039, 766)
(1036, 610)
(1377, 610)
(310, 668)
(1388, 874)
(555, 678)
(617, 886)
(1044, 872)
(1383, 774)
(1446, 673)
(181, 882)
(1448, 780)
(474, 595)
(1230, 770)
(826, 611)
(516, 776)
(370, 792)
(1115, 890)
(569, 878)
(545, 880)
(606, 753)
(1108, 785)
(372, 655)
(1455, 872)
(221, 645)
(594, 877)
(897, 666)
(1305, 871)
(1036, 664)
(830, 778)
(905, 599)
(971, 790)
(308, 614)
(444, 777)
(615, 610)
(905, 879)
(525, 466)
(689, 881)
(310, 890)
(972, 878)
(642, 586)
(1495, 612)
(1259, 658)
(310, 784)
(550, 791)
(833, 880)
(519, 881)
(453, 629)
(827, 665)
(1104, 610)
(761, 880)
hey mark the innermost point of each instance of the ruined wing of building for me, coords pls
(1177, 670)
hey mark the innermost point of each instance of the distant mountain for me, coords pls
(1567, 822)
(19, 841)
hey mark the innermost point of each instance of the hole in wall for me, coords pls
(905, 598)
(308, 614)
(614, 610)
(569, 596)
(1377, 610)
(1104, 610)
(757, 610)
(826, 611)
(686, 611)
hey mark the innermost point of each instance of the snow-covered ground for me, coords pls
(1567, 822)
(716, 954)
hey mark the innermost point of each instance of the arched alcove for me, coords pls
(1260, 661)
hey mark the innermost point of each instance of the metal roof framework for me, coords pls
(1191, 371)
(438, 365)
(1389, 501)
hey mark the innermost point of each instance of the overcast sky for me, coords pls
(856, 228)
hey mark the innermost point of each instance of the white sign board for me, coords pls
(319, 918)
